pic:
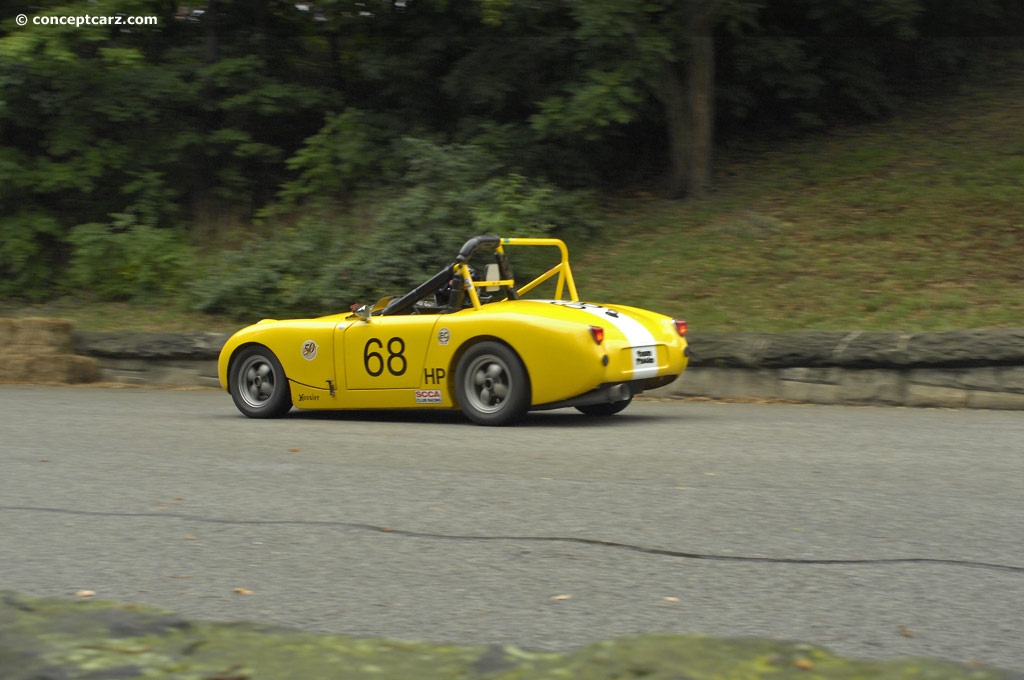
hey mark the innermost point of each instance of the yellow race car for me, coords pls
(461, 340)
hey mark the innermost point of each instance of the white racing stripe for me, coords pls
(644, 347)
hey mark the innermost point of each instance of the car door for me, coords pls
(386, 352)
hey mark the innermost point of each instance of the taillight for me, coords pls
(680, 325)
(597, 333)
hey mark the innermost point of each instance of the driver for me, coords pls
(453, 294)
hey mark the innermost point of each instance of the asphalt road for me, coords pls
(876, 532)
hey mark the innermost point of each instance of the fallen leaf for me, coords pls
(559, 598)
(294, 450)
(190, 537)
(905, 632)
(803, 664)
(236, 672)
(85, 593)
(671, 599)
(119, 650)
(243, 591)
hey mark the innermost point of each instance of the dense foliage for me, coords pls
(333, 145)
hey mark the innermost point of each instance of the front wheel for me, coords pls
(259, 387)
(608, 409)
(491, 384)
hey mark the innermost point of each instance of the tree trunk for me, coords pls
(701, 82)
(689, 116)
(210, 47)
(677, 119)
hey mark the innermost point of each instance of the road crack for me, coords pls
(595, 542)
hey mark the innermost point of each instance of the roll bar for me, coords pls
(460, 269)
(472, 244)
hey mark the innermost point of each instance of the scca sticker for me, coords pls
(309, 349)
(428, 397)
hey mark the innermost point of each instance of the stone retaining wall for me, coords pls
(165, 359)
(955, 369)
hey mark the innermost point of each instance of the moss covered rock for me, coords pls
(94, 640)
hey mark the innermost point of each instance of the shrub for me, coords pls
(277, 275)
(323, 263)
(125, 261)
(29, 254)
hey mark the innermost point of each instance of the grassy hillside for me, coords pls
(912, 224)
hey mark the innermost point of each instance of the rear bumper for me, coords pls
(608, 393)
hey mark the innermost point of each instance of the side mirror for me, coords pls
(364, 312)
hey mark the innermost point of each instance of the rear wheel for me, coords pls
(491, 384)
(608, 409)
(259, 387)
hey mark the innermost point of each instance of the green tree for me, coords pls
(78, 113)
(147, 121)
(633, 52)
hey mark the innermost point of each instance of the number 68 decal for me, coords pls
(374, 362)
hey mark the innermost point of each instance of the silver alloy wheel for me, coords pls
(257, 381)
(491, 384)
(488, 383)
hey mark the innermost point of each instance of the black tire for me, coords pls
(608, 409)
(258, 384)
(491, 384)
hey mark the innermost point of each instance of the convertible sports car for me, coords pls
(461, 341)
